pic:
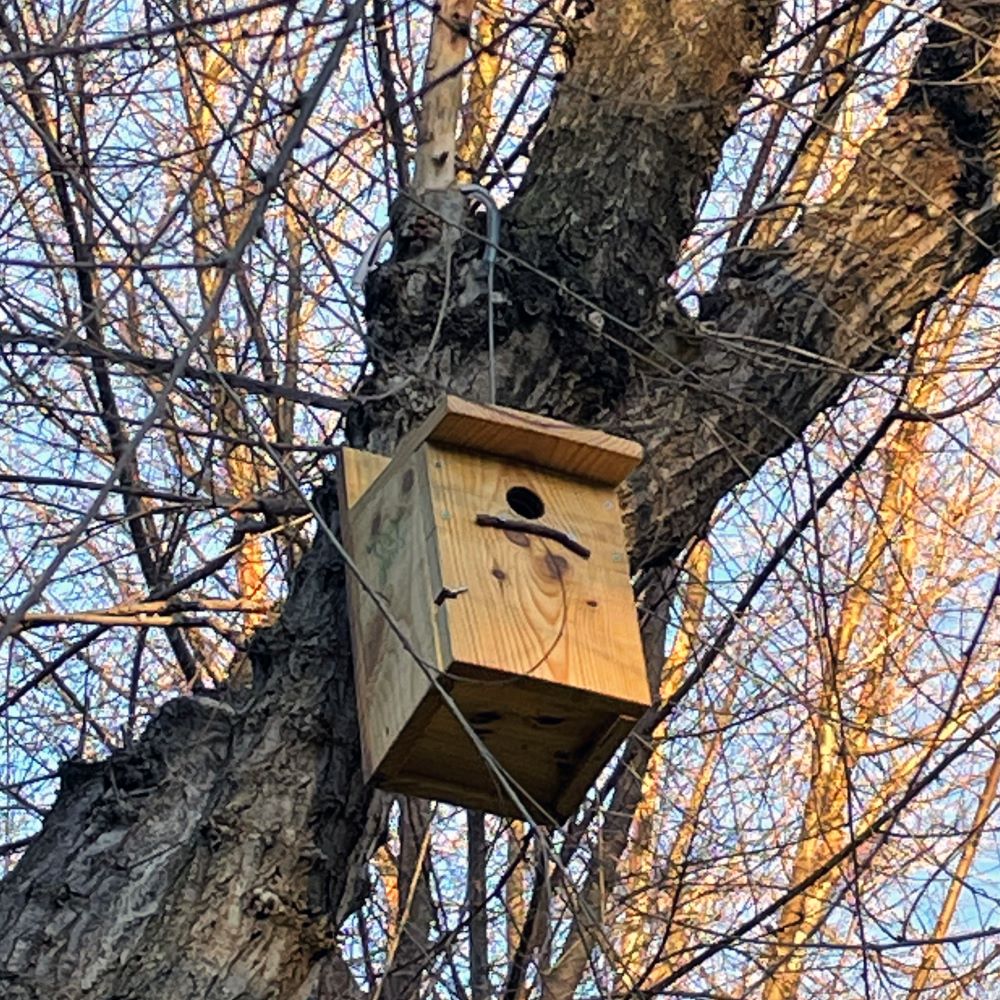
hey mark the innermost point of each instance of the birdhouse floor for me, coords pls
(551, 748)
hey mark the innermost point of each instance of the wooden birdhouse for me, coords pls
(493, 539)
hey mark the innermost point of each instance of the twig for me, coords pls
(532, 528)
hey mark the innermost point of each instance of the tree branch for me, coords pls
(789, 327)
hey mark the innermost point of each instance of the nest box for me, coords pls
(494, 538)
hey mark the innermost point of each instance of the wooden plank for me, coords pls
(591, 761)
(527, 604)
(552, 749)
(386, 532)
(358, 470)
(526, 437)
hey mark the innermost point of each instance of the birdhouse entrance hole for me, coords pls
(526, 503)
(494, 540)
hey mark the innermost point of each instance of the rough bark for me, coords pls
(778, 339)
(588, 242)
(218, 856)
(211, 859)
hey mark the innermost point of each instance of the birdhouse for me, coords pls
(494, 599)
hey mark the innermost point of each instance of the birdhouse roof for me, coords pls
(541, 441)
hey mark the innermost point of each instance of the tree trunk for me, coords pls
(218, 857)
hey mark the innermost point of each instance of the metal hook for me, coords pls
(365, 264)
(483, 197)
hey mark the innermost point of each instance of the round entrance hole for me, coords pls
(525, 503)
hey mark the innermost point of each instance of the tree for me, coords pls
(222, 852)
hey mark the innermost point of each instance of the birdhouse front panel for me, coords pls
(537, 565)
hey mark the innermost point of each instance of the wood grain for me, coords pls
(385, 532)
(528, 438)
(538, 645)
(552, 744)
(358, 470)
(533, 607)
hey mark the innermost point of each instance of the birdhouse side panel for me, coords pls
(390, 537)
(538, 566)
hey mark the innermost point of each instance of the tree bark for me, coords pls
(218, 857)
(212, 859)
